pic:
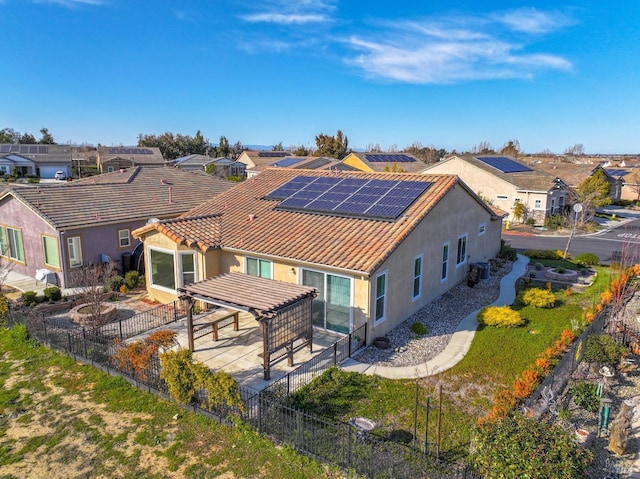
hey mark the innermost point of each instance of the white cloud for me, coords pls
(530, 20)
(72, 3)
(454, 50)
(286, 12)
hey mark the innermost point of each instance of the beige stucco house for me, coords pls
(377, 247)
(384, 162)
(503, 181)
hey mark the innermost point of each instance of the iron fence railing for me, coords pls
(145, 321)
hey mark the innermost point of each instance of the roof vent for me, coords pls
(251, 217)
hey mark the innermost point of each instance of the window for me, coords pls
(461, 254)
(331, 309)
(482, 229)
(11, 243)
(445, 262)
(162, 269)
(111, 169)
(124, 238)
(258, 267)
(381, 296)
(188, 268)
(517, 200)
(538, 204)
(502, 197)
(75, 251)
(553, 205)
(417, 277)
(50, 251)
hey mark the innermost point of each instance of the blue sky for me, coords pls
(443, 73)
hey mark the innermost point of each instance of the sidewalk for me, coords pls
(24, 283)
(460, 341)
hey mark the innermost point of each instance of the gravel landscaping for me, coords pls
(441, 318)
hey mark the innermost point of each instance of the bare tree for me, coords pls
(634, 183)
(92, 279)
(371, 148)
(482, 148)
(5, 266)
(575, 150)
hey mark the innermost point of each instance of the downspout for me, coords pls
(63, 263)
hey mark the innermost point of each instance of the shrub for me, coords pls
(500, 316)
(538, 266)
(29, 298)
(556, 221)
(542, 254)
(4, 309)
(507, 251)
(132, 279)
(530, 221)
(538, 298)
(585, 395)
(52, 293)
(113, 283)
(587, 259)
(561, 270)
(603, 350)
(419, 328)
(510, 448)
(124, 289)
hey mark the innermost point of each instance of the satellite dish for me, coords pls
(152, 220)
(577, 207)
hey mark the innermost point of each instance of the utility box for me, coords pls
(485, 270)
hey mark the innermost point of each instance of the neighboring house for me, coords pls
(114, 158)
(253, 158)
(84, 160)
(64, 227)
(384, 162)
(303, 163)
(574, 174)
(220, 166)
(502, 181)
(39, 160)
(376, 246)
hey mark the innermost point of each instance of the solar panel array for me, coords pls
(272, 154)
(377, 199)
(390, 158)
(288, 161)
(315, 164)
(130, 151)
(25, 149)
(616, 172)
(504, 164)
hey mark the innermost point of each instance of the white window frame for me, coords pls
(111, 169)
(182, 271)
(300, 272)
(444, 263)
(461, 258)
(74, 248)
(150, 269)
(482, 229)
(126, 236)
(13, 235)
(417, 278)
(246, 269)
(537, 204)
(502, 197)
(380, 297)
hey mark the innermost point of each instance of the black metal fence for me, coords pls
(327, 441)
(145, 321)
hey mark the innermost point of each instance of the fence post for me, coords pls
(350, 339)
(175, 312)
(120, 328)
(349, 435)
(335, 354)
(69, 342)
(44, 326)
(84, 342)
(260, 413)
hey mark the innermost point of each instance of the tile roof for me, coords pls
(381, 166)
(249, 223)
(534, 180)
(136, 194)
(152, 157)
(54, 153)
(571, 173)
(262, 295)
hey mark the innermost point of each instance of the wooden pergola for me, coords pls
(283, 310)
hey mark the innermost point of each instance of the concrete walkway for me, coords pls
(460, 341)
(25, 283)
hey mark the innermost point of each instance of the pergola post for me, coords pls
(266, 359)
(190, 303)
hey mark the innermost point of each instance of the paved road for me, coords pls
(625, 237)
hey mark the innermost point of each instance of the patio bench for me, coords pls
(217, 320)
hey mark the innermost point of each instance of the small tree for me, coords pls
(91, 280)
(593, 193)
(519, 209)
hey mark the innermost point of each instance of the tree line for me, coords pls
(9, 135)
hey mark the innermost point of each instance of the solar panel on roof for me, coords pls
(130, 151)
(5, 149)
(503, 164)
(285, 162)
(385, 158)
(384, 199)
(272, 154)
(315, 164)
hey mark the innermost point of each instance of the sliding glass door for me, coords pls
(332, 306)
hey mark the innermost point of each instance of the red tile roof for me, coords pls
(242, 220)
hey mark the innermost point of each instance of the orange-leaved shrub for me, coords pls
(538, 298)
(136, 357)
(500, 316)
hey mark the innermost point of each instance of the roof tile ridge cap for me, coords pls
(133, 174)
(191, 218)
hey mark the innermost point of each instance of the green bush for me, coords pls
(556, 221)
(132, 279)
(29, 298)
(585, 395)
(530, 221)
(507, 251)
(539, 266)
(509, 448)
(419, 328)
(542, 254)
(4, 309)
(538, 298)
(603, 350)
(587, 259)
(113, 283)
(52, 293)
(500, 317)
